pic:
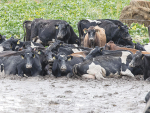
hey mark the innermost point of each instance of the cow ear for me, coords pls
(33, 55)
(18, 42)
(100, 49)
(69, 58)
(56, 26)
(85, 30)
(22, 56)
(119, 26)
(0, 36)
(54, 56)
(39, 52)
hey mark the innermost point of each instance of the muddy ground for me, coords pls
(65, 95)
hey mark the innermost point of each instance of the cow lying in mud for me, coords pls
(105, 66)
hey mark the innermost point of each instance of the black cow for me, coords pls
(27, 63)
(147, 99)
(117, 33)
(63, 64)
(2, 38)
(9, 44)
(105, 66)
(142, 60)
(47, 30)
(27, 30)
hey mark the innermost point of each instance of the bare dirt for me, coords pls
(66, 95)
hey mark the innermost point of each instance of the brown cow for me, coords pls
(95, 37)
(111, 46)
(80, 54)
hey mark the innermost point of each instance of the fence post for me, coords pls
(149, 32)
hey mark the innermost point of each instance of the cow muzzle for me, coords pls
(131, 64)
(63, 68)
(50, 60)
(28, 66)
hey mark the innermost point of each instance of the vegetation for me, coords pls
(14, 12)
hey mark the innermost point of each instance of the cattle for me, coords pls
(47, 30)
(27, 30)
(2, 38)
(9, 44)
(95, 37)
(147, 99)
(26, 63)
(111, 46)
(142, 60)
(117, 33)
(97, 51)
(63, 64)
(104, 66)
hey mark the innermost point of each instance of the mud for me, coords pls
(66, 95)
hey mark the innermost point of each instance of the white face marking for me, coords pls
(28, 53)
(75, 45)
(32, 45)
(124, 56)
(62, 55)
(38, 41)
(147, 47)
(127, 72)
(75, 50)
(93, 21)
(96, 70)
(1, 49)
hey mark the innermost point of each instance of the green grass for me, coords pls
(14, 12)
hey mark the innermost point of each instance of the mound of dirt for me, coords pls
(136, 12)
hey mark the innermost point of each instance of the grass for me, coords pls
(14, 12)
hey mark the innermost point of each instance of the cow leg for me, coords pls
(127, 72)
(88, 76)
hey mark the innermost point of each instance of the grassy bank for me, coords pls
(14, 12)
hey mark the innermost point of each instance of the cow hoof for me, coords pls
(20, 75)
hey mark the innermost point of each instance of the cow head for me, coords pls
(28, 57)
(95, 52)
(138, 46)
(91, 31)
(123, 32)
(50, 57)
(62, 30)
(62, 59)
(137, 59)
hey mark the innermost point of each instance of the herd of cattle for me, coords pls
(103, 49)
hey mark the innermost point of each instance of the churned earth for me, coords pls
(66, 95)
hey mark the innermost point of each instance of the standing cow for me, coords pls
(95, 37)
(117, 33)
(45, 31)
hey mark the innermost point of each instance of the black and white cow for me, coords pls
(63, 64)
(105, 66)
(27, 63)
(47, 30)
(117, 33)
(142, 60)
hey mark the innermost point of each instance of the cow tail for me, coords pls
(74, 70)
(24, 30)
